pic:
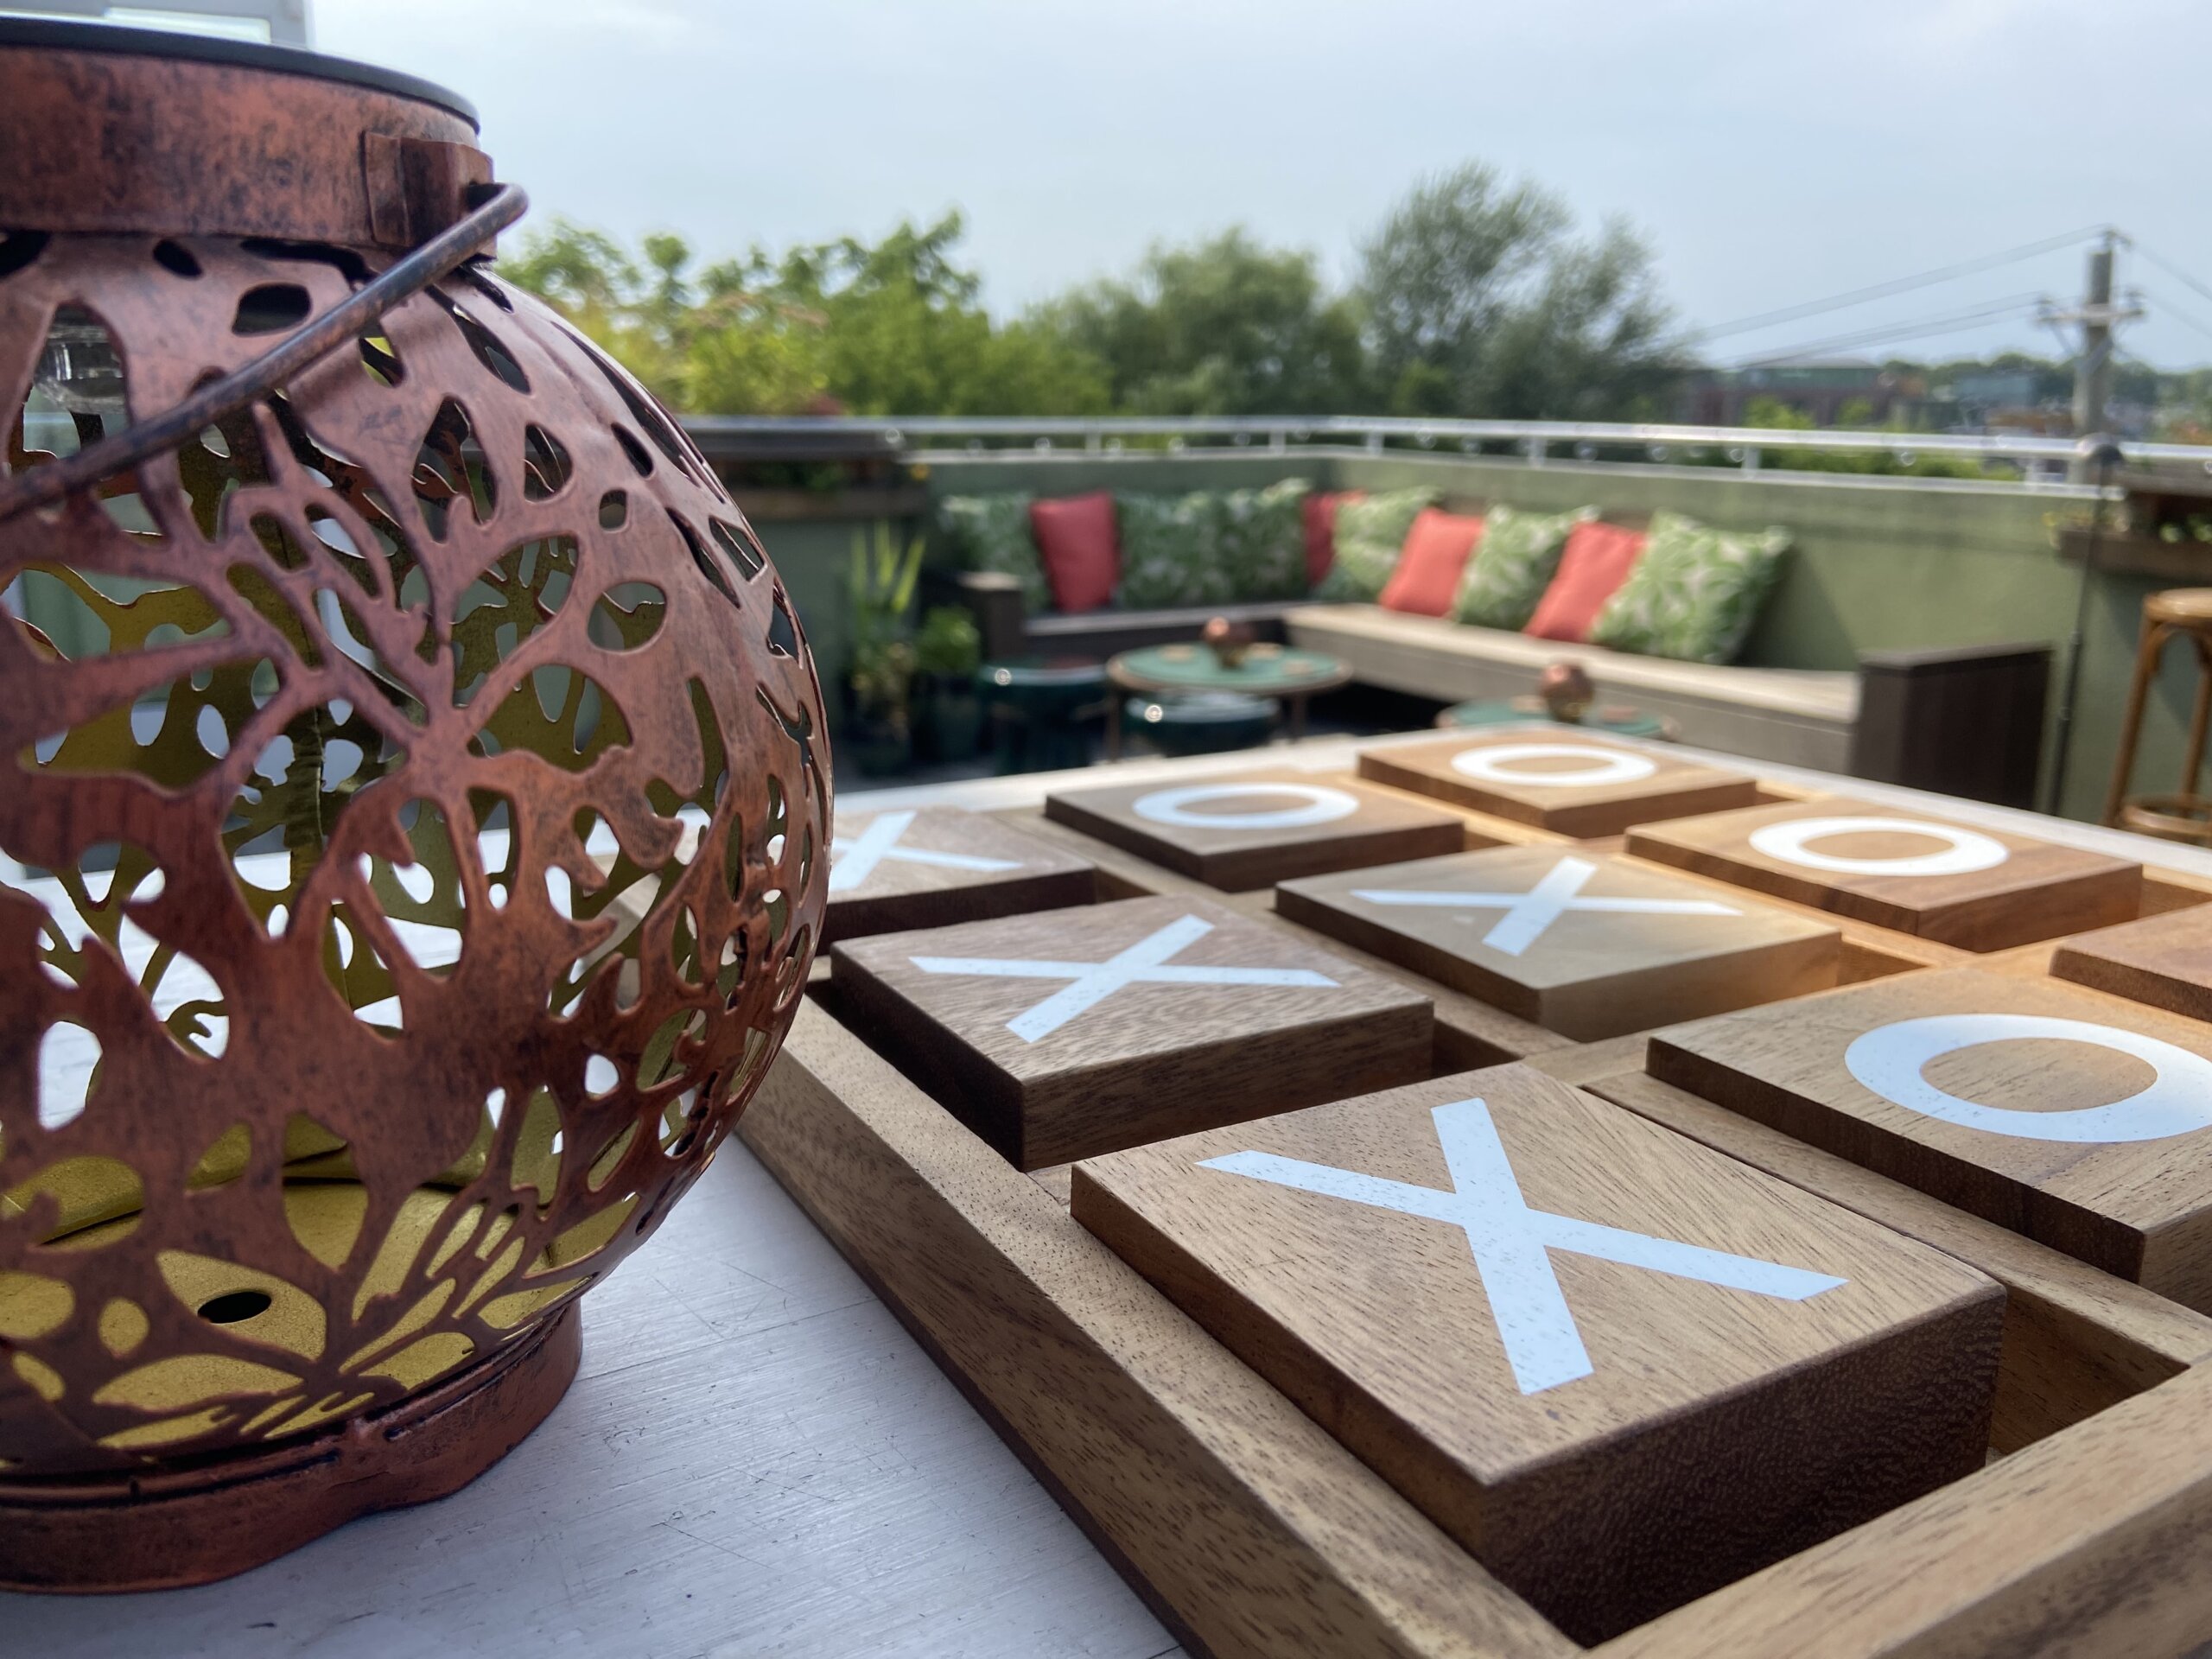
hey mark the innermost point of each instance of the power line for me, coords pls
(2178, 314)
(2170, 269)
(1908, 330)
(1902, 284)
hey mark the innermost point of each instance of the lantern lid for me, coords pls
(108, 130)
(75, 35)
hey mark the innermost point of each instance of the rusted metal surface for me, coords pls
(422, 783)
(109, 140)
(162, 1528)
(215, 402)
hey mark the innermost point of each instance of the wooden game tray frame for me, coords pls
(1250, 1531)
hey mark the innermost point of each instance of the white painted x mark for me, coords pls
(1529, 915)
(1090, 983)
(1511, 1242)
(851, 861)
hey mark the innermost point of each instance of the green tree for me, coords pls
(1782, 417)
(713, 346)
(1480, 301)
(1223, 327)
(897, 328)
(905, 331)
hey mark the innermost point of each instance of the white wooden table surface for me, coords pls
(755, 1460)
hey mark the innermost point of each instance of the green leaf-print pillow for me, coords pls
(1369, 535)
(1696, 592)
(991, 533)
(1171, 551)
(1513, 564)
(1262, 540)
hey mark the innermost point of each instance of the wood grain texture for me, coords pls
(2076, 1340)
(1207, 827)
(1469, 1033)
(2163, 960)
(1047, 1076)
(1567, 961)
(2034, 890)
(1261, 1535)
(1566, 782)
(2090, 1545)
(935, 867)
(2139, 1209)
(1712, 1430)
(1869, 951)
(1230, 1527)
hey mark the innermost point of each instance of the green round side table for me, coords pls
(1282, 672)
(1616, 718)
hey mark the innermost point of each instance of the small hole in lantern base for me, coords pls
(272, 309)
(19, 248)
(175, 258)
(344, 261)
(234, 1306)
(634, 450)
(482, 341)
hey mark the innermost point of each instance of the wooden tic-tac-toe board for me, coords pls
(1441, 1227)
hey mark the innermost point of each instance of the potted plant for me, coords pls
(947, 650)
(880, 671)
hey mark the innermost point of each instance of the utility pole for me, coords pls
(2093, 378)
(2092, 370)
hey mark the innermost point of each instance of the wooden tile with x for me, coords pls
(1074, 1031)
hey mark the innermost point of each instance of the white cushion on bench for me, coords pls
(1796, 716)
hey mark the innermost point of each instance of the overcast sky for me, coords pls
(1773, 152)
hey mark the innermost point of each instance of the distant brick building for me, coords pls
(1820, 387)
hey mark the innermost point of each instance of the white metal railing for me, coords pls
(1538, 440)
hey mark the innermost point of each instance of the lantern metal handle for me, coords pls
(219, 399)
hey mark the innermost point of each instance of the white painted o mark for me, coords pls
(1169, 806)
(2178, 1101)
(1965, 850)
(1491, 765)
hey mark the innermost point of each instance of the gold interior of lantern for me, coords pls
(470, 1252)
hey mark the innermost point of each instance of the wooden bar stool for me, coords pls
(2186, 815)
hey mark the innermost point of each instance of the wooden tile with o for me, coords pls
(1568, 783)
(1619, 1368)
(2079, 1120)
(1241, 831)
(1583, 944)
(1069, 1032)
(1979, 889)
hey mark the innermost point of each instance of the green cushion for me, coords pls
(1263, 539)
(1513, 564)
(1370, 534)
(1694, 593)
(991, 533)
(1171, 551)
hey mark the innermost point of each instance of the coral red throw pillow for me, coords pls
(1596, 560)
(1319, 510)
(1077, 546)
(1427, 578)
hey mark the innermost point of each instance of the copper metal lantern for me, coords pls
(416, 800)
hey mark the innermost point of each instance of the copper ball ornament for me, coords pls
(417, 825)
(1567, 691)
(1230, 642)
